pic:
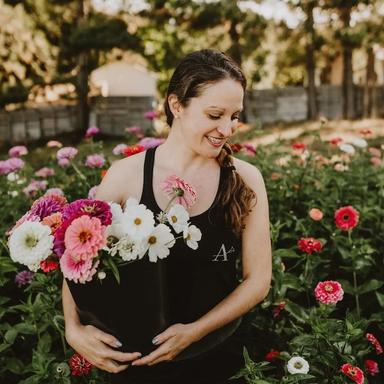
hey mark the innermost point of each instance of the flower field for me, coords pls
(323, 320)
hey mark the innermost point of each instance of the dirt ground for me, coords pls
(346, 129)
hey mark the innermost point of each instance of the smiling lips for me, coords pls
(216, 142)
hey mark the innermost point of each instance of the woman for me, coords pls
(203, 103)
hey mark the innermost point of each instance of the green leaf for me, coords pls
(298, 312)
(10, 336)
(112, 265)
(369, 286)
(380, 299)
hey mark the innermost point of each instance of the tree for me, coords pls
(77, 34)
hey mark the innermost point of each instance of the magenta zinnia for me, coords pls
(176, 188)
(346, 218)
(329, 292)
(85, 237)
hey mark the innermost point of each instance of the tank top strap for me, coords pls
(147, 196)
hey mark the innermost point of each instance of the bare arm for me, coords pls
(96, 346)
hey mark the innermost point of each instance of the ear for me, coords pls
(174, 105)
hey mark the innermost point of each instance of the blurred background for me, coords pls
(66, 65)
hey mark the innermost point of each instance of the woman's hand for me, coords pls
(97, 347)
(173, 340)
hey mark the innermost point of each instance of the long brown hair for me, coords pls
(195, 71)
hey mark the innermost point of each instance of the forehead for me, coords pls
(226, 94)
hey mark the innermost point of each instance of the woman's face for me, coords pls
(210, 119)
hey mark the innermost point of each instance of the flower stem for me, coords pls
(81, 175)
(356, 294)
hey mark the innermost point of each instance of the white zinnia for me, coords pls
(127, 249)
(30, 243)
(178, 217)
(297, 365)
(117, 212)
(159, 242)
(359, 142)
(137, 221)
(192, 235)
(347, 148)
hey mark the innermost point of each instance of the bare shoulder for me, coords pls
(123, 179)
(250, 174)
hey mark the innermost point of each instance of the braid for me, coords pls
(235, 196)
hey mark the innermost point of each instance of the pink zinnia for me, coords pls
(79, 365)
(95, 161)
(250, 148)
(376, 161)
(150, 142)
(329, 292)
(64, 163)
(346, 218)
(176, 188)
(80, 271)
(150, 115)
(374, 151)
(34, 186)
(85, 237)
(119, 149)
(13, 164)
(372, 339)
(92, 131)
(315, 214)
(371, 367)
(354, 373)
(135, 131)
(309, 245)
(45, 172)
(67, 153)
(18, 150)
(54, 144)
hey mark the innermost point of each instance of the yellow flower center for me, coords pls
(174, 219)
(298, 365)
(84, 236)
(31, 241)
(137, 221)
(328, 288)
(152, 240)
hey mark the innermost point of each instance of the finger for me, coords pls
(161, 351)
(164, 336)
(108, 339)
(123, 357)
(113, 367)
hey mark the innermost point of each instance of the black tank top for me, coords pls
(178, 289)
(197, 280)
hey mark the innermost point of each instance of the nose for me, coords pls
(226, 128)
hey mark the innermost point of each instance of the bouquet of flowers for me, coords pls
(91, 236)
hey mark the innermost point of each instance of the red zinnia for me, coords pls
(103, 172)
(346, 218)
(371, 367)
(309, 245)
(79, 365)
(298, 145)
(236, 147)
(272, 355)
(336, 140)
(133, 150)
(354, 373)
(49, 265)
(372, 339)
(276, 311)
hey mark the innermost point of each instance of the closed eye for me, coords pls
(214, 117)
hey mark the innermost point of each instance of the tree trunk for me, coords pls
(370, 81)
(310, 61)
(82, 87)
(348, 92)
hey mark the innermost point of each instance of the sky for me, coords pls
(276, 9)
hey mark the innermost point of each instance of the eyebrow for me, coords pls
(223, 109)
